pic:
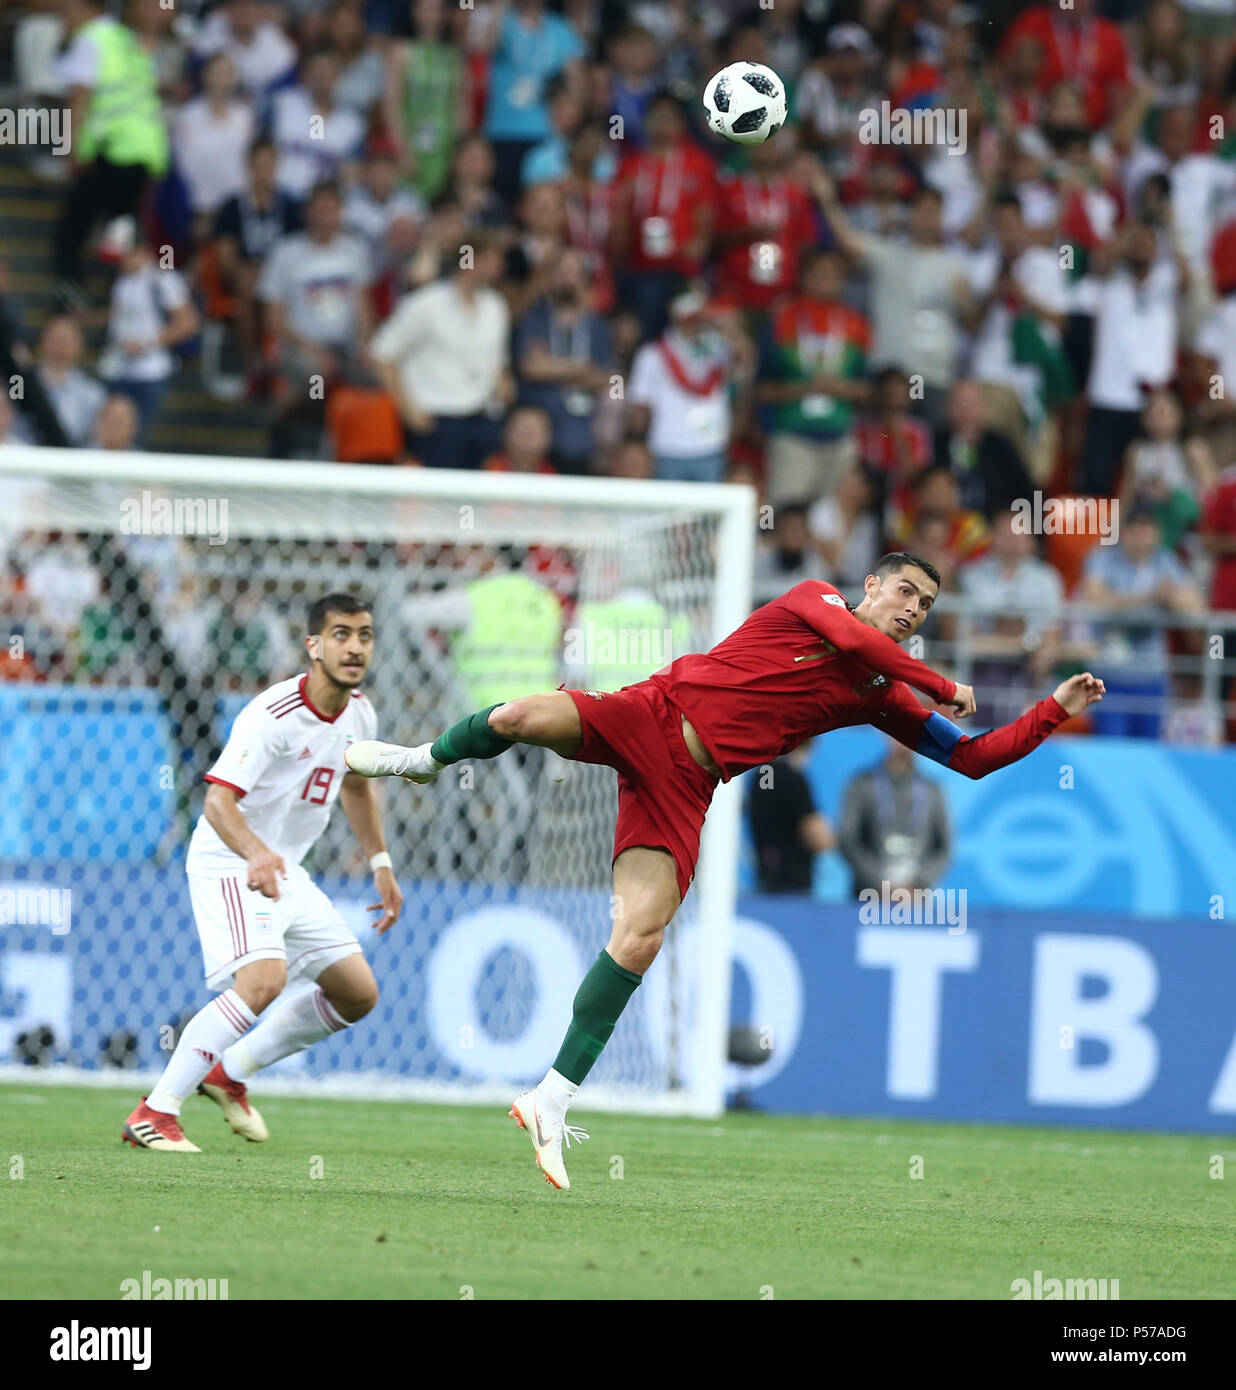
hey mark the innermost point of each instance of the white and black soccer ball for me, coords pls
(745, 102)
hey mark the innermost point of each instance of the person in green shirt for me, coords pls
(426, 97)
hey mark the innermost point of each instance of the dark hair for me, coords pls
(263, 142)
(347, 604)
(665, 96)
(327, 188)
(1007, 199)
(901, 559)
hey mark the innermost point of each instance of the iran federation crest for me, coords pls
(262, 920)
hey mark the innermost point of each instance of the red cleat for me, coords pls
(155, 1129)
(232, 1097)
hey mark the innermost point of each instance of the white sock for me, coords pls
(293, 1022)
(557, 1090)
(204, 1039)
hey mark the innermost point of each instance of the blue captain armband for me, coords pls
(938, 739)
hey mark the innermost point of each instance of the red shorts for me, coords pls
(663, 793)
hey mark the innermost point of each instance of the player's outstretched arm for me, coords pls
(941, 740)
(824, 610)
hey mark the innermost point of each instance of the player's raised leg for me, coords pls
(646, 896)
(548, 721)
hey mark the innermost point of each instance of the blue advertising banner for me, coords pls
(1051, 1018)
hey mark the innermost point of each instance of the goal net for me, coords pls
(149, 597)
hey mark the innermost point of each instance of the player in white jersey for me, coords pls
(263, 923)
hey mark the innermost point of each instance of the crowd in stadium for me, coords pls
(497, 236)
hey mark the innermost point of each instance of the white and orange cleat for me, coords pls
(155, 1129)
(369, 758)
(232, 1097)
(547, 1128)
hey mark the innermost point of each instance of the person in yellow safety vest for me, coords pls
(510, 645)
(119, 137)
(616, 642)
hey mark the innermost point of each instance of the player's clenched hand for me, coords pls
(1079, 692)
(964, 701)
(265, 870)
(392, 899)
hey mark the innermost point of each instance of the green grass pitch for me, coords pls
(418, 1202)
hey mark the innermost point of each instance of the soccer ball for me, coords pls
(746, 103)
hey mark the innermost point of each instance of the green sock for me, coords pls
(601, 998)
(470, 738)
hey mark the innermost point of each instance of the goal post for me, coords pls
(152, 595)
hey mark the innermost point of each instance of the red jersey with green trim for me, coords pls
(803, 665)
(817, 337)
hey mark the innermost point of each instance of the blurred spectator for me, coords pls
(786, 825)
(106, 642)
(75, 396)
(787, 556)
(1019, 311)
(443, 357)
(361, 69)
(1191, 718)
(765, 223)
(211, 136)
(246, 231)
(1017, 631)
(682, 385)
(988, 469)
(9, 436)
(1138, 574)
(895, 445)
(1166, 472)
(1133, 297)
(632, 459)
(663, 215)
(633, 60)
(564, 359)
(316, 138)
(242, 641)
(588, 192)
(1076, 46)
(471, 184)
(61, 583)
(525, 443)
(425, 103)
(529, 44)
(548, 162)
(117, 425)
(837, 85)
(845, 528)
(261, 52)
(120, 139)
(919, 291)
(384, 215)
(936, 496)
(1218, 534)
(151, 312)
(813, 375)
(895, 826)
(534, 253)
(314, 287)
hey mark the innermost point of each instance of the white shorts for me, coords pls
(236, 925)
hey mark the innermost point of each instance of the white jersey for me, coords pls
(286, 760)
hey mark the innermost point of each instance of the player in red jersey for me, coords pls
(804, 664)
